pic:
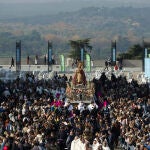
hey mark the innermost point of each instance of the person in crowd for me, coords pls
(92, 106)
(70, 138)
(45, 60)
(106, 65)
(12, 62)
(36, 60)
(65, 77)
(28, 60)
(81, 106)
(75, 143)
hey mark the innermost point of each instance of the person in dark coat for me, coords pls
(111, 139)
(106, 65)
(70, 139)
(28, 60)
(12, 62)
(61, 139)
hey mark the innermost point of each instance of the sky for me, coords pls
(9, 8)
(124, 2)
(36, 1)
(29, 1)
(42, 1)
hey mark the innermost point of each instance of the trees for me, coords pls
(134, 52)
(77, 45)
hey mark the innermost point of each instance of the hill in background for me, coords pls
(126, 25)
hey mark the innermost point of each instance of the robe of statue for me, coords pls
(79, 77)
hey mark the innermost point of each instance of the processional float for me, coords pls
(79, 89)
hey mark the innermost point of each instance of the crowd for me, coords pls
(35, 114)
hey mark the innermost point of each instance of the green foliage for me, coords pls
(134, 52)
(77, 46)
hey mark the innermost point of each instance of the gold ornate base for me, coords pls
(80, 92)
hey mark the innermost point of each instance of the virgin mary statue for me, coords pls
(79, 77)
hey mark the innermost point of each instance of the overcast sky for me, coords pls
(30, 1)
(41, 1)
(8, 8)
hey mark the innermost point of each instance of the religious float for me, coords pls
(80, 89)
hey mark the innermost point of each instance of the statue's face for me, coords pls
(80, 65)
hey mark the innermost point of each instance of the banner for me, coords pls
(88, 63)
(18, 56)
(146, 53)
(147, 67)
(114, 54)
(62, 59)
(82, 55)
(49, 56)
